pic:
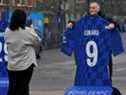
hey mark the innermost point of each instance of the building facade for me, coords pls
(18, 2)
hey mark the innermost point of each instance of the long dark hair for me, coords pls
(18, 20)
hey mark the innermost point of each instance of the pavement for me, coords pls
(55, 72)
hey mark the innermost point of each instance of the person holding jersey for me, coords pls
(92, 26)
(21, 43)
(113, 25)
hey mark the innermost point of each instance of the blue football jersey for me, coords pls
(92, 45)
(3, 50)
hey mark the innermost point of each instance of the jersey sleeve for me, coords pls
(69, 37)
(68, 43)
(115, 42)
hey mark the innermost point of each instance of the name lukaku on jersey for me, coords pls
(91, 32)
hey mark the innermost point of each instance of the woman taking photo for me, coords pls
(21, 43)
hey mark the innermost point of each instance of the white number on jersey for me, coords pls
(92, 55)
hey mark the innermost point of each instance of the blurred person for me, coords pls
(112, 25)
(48, 38)
(47, 33)
(72, 43)
(46, 22)
(21, 43)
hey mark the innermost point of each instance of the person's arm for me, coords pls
(111, 25)
(70, 24)
(34, 38)
(67, 43)
(115, 43)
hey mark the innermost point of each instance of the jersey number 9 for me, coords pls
(92, 53)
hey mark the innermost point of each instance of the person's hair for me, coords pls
(18, 20)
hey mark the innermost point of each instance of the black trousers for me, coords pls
(19, 81)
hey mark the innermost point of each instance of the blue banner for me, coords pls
(77, 90)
